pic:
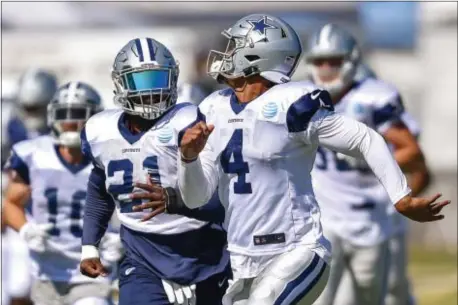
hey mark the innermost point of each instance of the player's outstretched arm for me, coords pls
(355, 139)
(97, 214)
(16, 197)
(197, 170)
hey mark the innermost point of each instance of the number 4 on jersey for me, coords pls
(237, 165)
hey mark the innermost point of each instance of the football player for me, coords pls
(52, 172)
(357, 215)
(399, 289)
(170, 258)
(259, 148)
(36, 88)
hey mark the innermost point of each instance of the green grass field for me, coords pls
(434, 276)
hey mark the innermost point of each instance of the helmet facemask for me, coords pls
(148, 91)
(66, 121)
(222, 63)
(333, 77)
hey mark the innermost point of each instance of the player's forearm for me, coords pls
(98, 210)
(195, 185)
(419, 179)
(407, 157)
(14, 215)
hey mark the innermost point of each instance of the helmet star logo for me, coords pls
(261, 25)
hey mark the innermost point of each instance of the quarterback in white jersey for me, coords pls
(357, 214)
(170, 258)
(259, 149)
(51, 171)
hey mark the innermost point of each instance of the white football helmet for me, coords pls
(74, 102)
(333, 44)
(145, 76)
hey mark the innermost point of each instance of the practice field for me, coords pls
(434, 276)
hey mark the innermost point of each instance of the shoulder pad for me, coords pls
(378, 92)
(101, 123)
(25, 149)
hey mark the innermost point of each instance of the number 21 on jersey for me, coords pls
(232, 162)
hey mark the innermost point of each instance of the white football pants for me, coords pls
(61, 293)
(296, 276)
(361, 271)
(399, 292)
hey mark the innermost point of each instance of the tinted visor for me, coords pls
(72, 114)
(147, 80)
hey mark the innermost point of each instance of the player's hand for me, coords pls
(178, 294)
(194, 140)
(421, 209)
(92, 267)
(36, 235)
(156, 196)
(111, 248)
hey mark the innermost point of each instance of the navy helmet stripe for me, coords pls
(151, 49)
(139, 49)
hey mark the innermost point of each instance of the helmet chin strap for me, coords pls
(69, 139)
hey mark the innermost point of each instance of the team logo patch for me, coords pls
(165, 134)
(270, 110)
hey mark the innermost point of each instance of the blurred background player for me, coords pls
(52, 172)
(399, 290)
(169, 259)
(36, 88)
(357, 214)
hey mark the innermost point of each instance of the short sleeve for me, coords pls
(16, 163)
(306, 111)
(188, 117)
(388, 113)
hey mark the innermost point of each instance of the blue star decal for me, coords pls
(261, 25)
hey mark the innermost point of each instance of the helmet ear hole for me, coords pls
(251, 58)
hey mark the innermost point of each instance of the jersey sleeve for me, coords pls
(86, 149)
(387, 112)
(98, 209)
(308, 109)
(197, 181)
(19, 160)
(411, 124)
(186, 117)
(350, 137)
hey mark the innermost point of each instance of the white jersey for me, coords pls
(353, 202)
(126, 158)
(261, 155)
(58, 194)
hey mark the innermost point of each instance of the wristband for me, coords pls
(89, 251)
(187, 160)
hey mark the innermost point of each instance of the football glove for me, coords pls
(178, 294)
(35, 235)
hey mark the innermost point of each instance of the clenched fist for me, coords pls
(92, 267)
(194, 140)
